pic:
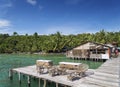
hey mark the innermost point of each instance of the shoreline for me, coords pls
(37, 53)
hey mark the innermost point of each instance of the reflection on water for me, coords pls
(13, 61)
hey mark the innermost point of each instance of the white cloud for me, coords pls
(5, 26)
(32, 2)
(41, 7)
(6, 3)
(4, 6)
(5, 30)
(62, 29)
(4, 23)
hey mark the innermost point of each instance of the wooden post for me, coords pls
(10, 74)
(19, 78)
(28, 81)
(23, 76)
(34, 78)
(39, 82)
(50, 82)
(56, 84)
(44, 83)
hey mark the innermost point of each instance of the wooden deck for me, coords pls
(107, 75)
(61, 79)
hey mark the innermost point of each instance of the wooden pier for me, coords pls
(107, 75)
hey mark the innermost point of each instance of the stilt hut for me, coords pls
(91, 50)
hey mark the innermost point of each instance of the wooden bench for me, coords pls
(42, 64)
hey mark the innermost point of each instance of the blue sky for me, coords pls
(65, 16)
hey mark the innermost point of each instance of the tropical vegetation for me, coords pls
(52, 43)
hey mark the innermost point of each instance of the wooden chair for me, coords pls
(82, 69)
(71, 76)
(40, 69)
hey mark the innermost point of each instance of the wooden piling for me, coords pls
(39, 82)
(34, 78)
(56, 84)
(28, 81)
(19, 77)
(23, 76)
(10, 74)
(44, 83)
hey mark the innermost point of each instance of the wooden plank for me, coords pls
(102, 83)
(107, 75)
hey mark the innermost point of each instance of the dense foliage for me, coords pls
(53, 42)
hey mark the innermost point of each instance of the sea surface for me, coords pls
(8, 61)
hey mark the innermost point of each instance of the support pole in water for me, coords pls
(10, 74)
(39, 82)
(19, 77)
(44, 83)
(56, 84)
(23, 76)
(28, 81)
(34, 78)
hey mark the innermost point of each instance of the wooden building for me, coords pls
(91, 50)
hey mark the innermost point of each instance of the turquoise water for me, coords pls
(14, 60)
